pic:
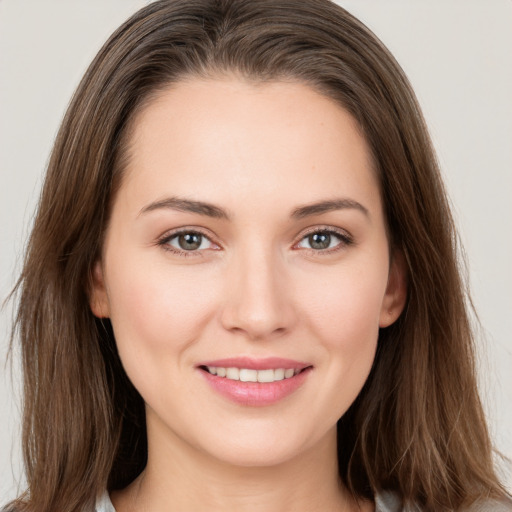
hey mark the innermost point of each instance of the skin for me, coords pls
(255, 287)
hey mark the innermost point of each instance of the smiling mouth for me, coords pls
(250, 375)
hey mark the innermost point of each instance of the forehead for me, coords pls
(228, 138)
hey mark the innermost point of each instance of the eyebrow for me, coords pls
(187, 205)
(327, 206)
(210, 210)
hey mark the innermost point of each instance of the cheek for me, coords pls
(156, 310)
(345, 304)
(344, 313)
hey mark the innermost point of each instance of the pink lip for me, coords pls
(256, 393)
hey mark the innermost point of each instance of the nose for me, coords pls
(258, 297)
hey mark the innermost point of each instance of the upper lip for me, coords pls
(267, 363)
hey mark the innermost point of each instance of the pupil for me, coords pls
(189, 241)
(320, 240)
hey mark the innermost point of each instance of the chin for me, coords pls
(264, 449)
(256, 457)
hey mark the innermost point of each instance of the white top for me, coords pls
(104, 504)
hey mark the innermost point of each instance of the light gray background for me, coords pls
(458, 56)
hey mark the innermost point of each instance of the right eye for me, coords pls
(187, 242)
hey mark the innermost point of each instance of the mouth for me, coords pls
(252, 375)
(255, 382)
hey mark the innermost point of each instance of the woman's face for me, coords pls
(248, 235)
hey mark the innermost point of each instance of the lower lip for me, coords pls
(256, 393)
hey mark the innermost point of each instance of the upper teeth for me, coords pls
(246, 375)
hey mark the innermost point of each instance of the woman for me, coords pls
(241, 289)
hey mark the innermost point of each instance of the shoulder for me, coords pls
(103, 504)
(491, 506)
(390, 502)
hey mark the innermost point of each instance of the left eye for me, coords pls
(189, 241)
(321, 240)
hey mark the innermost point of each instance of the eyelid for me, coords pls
(164, 239)
(346, 239)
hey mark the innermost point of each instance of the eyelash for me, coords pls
(164, 242)
(345, 240)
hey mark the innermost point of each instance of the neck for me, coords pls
(179, 477)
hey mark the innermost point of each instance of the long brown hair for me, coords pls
(417, 427)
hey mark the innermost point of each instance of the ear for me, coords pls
(98, 299)
(396, 291)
